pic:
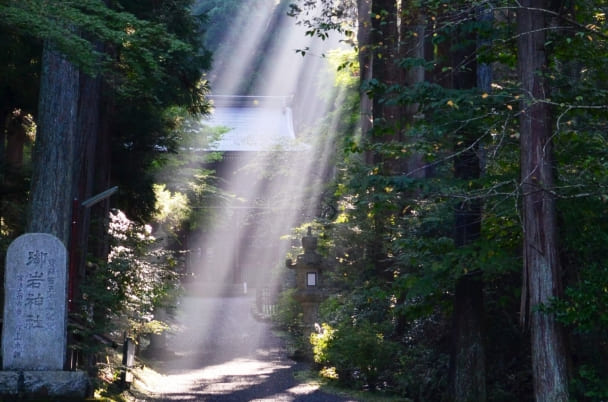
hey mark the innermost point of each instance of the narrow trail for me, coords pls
(222, 353)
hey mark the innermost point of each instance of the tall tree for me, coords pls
(55, 151)
(413, 47)
(541, 271)
(365, 55)
(468, 356)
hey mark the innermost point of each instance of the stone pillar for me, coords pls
(34, 328)
(34, 332)
(309, 269)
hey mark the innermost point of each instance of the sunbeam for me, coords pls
(276, 160)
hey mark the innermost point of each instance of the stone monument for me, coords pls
(34, 330)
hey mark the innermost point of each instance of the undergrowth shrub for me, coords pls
(361, 355)
(589, 384)
(120, 296)
(289, 318)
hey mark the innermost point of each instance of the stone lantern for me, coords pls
(309, 269)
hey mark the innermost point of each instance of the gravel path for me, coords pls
(223, 354)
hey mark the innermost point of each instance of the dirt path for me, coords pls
(223, 354)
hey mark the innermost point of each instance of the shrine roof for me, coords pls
(253, 125)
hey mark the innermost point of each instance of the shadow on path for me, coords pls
(221, 353)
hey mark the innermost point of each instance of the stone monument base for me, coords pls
(44, 385)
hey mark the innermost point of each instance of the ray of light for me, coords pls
(273, 192)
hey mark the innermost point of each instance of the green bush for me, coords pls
(289, 313)
(320, 342)
(289, 318)
(583, 310)
(360, 354)
(421, 373)
(589, 385)
(121, 295)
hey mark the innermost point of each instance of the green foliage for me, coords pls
(389, 230)
(189, 171)
(334, 16)
(321, 342)
(344, 62)
(75, 27)
(221, 14)
(150, 58)
(359, 353)
(138, 278)
(172, 209)
(421, 373)
(289, 312)
(154, 110)
(585, 304)
(359, 343)
(289, 318)
(582, 308)
(589, 385)
(393, 234)
(60, 23)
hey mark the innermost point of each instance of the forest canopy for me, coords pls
(479, 157)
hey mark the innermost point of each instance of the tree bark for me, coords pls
(15, 143)
(365, 62)
(86, 142)
(54, 154)
(468, 361)
(541, 271)
(412, 45)
(468, 364)
(99, 244)
(385, 42)
(383, 52)
(4, 121)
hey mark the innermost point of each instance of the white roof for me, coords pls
(253, 128)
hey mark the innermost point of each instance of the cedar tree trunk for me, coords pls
(53, 175)
(541, 273)
(365, 62)
(468, 365)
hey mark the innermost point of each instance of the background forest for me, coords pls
(465, 215)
